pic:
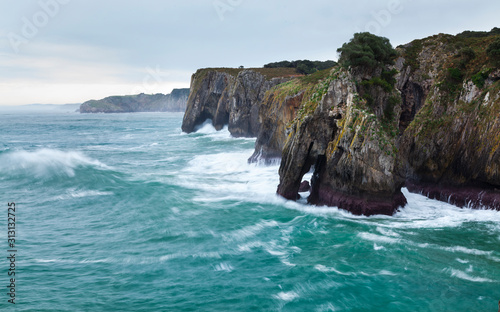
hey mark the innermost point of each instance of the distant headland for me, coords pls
(173, 102)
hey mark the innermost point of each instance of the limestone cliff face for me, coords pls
(173, 102)
(230, 97)
(437, 131)
(277, 110)
(207, 88)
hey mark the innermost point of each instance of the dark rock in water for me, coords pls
(363, 204)
(304, 186)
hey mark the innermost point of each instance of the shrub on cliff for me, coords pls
(305, 67)
(367, 50)
(479, 34)
(493, 52)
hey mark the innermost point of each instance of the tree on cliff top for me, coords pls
(305, 67)
(367, 50)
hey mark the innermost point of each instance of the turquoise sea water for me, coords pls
(123, 212)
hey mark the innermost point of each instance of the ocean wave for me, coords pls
(249, 231)
(465, 250)
(74, 193)
(286, 296)
(223, 267)
(228, 175)
(205, 128)
(378, 238)
(464, 276)
(208, 130)
(325, 269)
(422, 212)
(46, 163)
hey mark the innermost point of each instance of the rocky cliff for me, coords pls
(435, 128)
(173, 102)
(451, 93)
(231, 97)
(277, 110)
(350, 146)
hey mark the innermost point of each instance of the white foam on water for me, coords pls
(422, 212)
(247, 247)
(286, 296)
(496, 259)
(328, 307)
(74, 193)
(48, 260)
(286, 262)
(209, 255)
(326, 269)
(320, 211)
(279, 250)
(205, 128)
(387, 232)
(95, 261)
(230, 176)
(463, 275)
(249, 231)
(209, 131)
(387, 273)
(275, 252)
(172, 257)
(69, 261)
(223, 267)
(465, 250)
(378, 238)
(46, 162)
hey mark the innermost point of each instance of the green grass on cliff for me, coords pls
(465, 58)
(311, 86)
(317, 86)
(269, 73)
(469, 53)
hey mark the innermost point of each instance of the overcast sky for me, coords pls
(70, 51)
